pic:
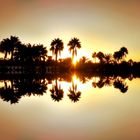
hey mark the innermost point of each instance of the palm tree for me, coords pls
(94, 55)
(39, 52)
(74, 44)
(117, 56)
(83, 59)
(56, 47)
(20, 53)
(130, 62)
(8, 45)
(100, 56)
(124, 51)
(108, 58)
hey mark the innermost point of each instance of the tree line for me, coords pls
(38, 52)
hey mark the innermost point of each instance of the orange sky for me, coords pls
(100, 25)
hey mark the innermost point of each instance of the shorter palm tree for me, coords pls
(117, 56)
(94, 56)
(100, 56)
(108, 58)
(124, 51)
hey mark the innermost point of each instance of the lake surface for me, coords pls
(100, 112)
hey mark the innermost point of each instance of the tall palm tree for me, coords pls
(74, 44)
(56, 47)
(8, 45)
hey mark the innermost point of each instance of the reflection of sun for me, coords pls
(77, 82)
(75, 79)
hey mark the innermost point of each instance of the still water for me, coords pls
(99, 111)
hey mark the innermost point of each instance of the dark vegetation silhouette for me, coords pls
(29, 69)
(29, 86)
(74, 44)
(74, 95)
(56, 92)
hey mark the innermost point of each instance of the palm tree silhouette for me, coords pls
(39, 52)
(117, 56)
(94, 56)
(130, 62)
(56, 47)
(108, 58)
(57, 92)
(124, 51)
(8, 45)
(100, 56)
(74, 94)
(74, 44)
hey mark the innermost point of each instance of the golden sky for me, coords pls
(101, 25)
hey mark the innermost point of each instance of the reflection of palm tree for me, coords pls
(100, 83)
(30, 87)
(56, 47)
(104, 81)
(8, 45)
(74, 94)
(74, 43)
(57, 92)
(7, 93)
(120, 85)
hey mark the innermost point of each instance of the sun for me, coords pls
(75, 60)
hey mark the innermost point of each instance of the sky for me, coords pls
(101, 25)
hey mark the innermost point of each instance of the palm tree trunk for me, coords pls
(56, 57)
(5, 55)
(12, 55)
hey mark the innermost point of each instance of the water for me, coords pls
(99, 113)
